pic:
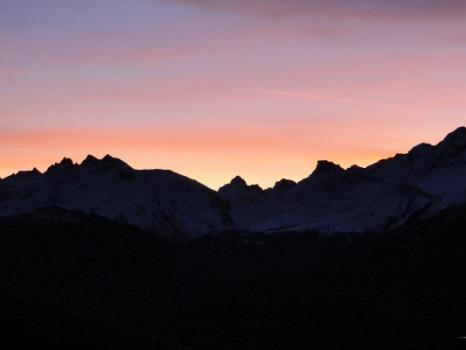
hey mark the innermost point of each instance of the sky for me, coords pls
(214, 89)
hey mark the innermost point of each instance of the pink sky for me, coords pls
(209, 89)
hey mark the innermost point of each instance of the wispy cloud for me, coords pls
(406, 8)
(340, 100)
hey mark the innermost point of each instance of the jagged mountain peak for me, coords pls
(421, 149)
(239, 188)
(238, 181)
(109, 159)
(65, 163)
(106, 162)
(27, 173)
(325, 166)
(455, 140)
(284, 184)
(24, 173)
(459, 132)
(89, 160)
(355, 168)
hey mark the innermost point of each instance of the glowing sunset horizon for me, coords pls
(211, 90)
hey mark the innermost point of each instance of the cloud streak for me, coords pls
(281, 8)
(340, 100)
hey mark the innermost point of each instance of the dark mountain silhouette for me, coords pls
(97, 255)
(156, 200)
(382, 196)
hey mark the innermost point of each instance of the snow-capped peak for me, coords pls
(386, 194)
(156, 200)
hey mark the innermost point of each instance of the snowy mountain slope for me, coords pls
(329, 200)
(159, 200)
(384, 195)
(439, 170)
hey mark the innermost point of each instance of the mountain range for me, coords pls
(100, 255)
(382, 196)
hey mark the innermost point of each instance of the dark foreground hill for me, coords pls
(98, 282)
(31, 322)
